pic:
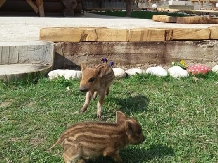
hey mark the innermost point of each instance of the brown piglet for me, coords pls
(96, 81)
(87, 140)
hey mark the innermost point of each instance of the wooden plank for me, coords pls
(147, 34)
(191, 34)
(164, 18)
(214, 32)
(197, 20)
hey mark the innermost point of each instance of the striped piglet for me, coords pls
(87, 140)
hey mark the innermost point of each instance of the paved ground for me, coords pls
(27, 28)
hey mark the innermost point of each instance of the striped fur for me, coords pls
(87, 140)
(96, 81)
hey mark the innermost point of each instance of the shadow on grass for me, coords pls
(143, 155)
(134, 103)
(137, 155)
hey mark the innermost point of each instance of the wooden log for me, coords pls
(164, 18)
(40, 7)
(197, 20)
(190, 34)
(147, 34)
(30, 2)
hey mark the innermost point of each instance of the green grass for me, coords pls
(138, 14)
(179, 118)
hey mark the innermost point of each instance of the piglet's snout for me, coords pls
(83, 89)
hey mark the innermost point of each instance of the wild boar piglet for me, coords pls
(87, 140)
(96, 81)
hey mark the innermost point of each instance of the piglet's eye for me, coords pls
(91, 79)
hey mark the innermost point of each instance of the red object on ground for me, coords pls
(198, 69)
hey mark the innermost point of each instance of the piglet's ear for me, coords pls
(101, 71)
(83, 66)
(120, 117)
(129, 127)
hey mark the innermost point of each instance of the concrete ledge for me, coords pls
(72, 54)
(20, 60)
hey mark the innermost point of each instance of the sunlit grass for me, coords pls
(179, 118)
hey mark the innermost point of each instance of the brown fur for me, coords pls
(96, 81)
(87, 140)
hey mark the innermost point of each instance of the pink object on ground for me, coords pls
(198, 69)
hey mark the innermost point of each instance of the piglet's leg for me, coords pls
(116, 157)
(107, 91)
(95, 94)
(87, 101)
(100, 103)
(114, 154)
(71, 153)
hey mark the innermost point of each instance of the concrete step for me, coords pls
(22, 60)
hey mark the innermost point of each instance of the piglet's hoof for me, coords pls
(99, 114)
(83, 110)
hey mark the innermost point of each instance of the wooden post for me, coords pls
(30, 2)
(70, 6)
(128, 8)
(39, 4)
(2, 2)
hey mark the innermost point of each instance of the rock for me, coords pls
(134, 71)
(158, 71)
(67, 74)
(177, 72)
(119, 72)
(215, 69)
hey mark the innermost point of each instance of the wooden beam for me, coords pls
(2, 2)
(30, 2)
(39, 4)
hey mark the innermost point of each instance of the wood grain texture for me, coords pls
(214, 32)
(147, 34)
(164, 18)
(197, 20)
(191, 34)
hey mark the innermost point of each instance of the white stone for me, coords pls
(154, 6)
(119, 72)
(177, 72)
(134, 71)
(215, 69)
(67, 74)
(158, 71)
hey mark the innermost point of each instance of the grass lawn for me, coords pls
(179, 118)
(138, 14)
